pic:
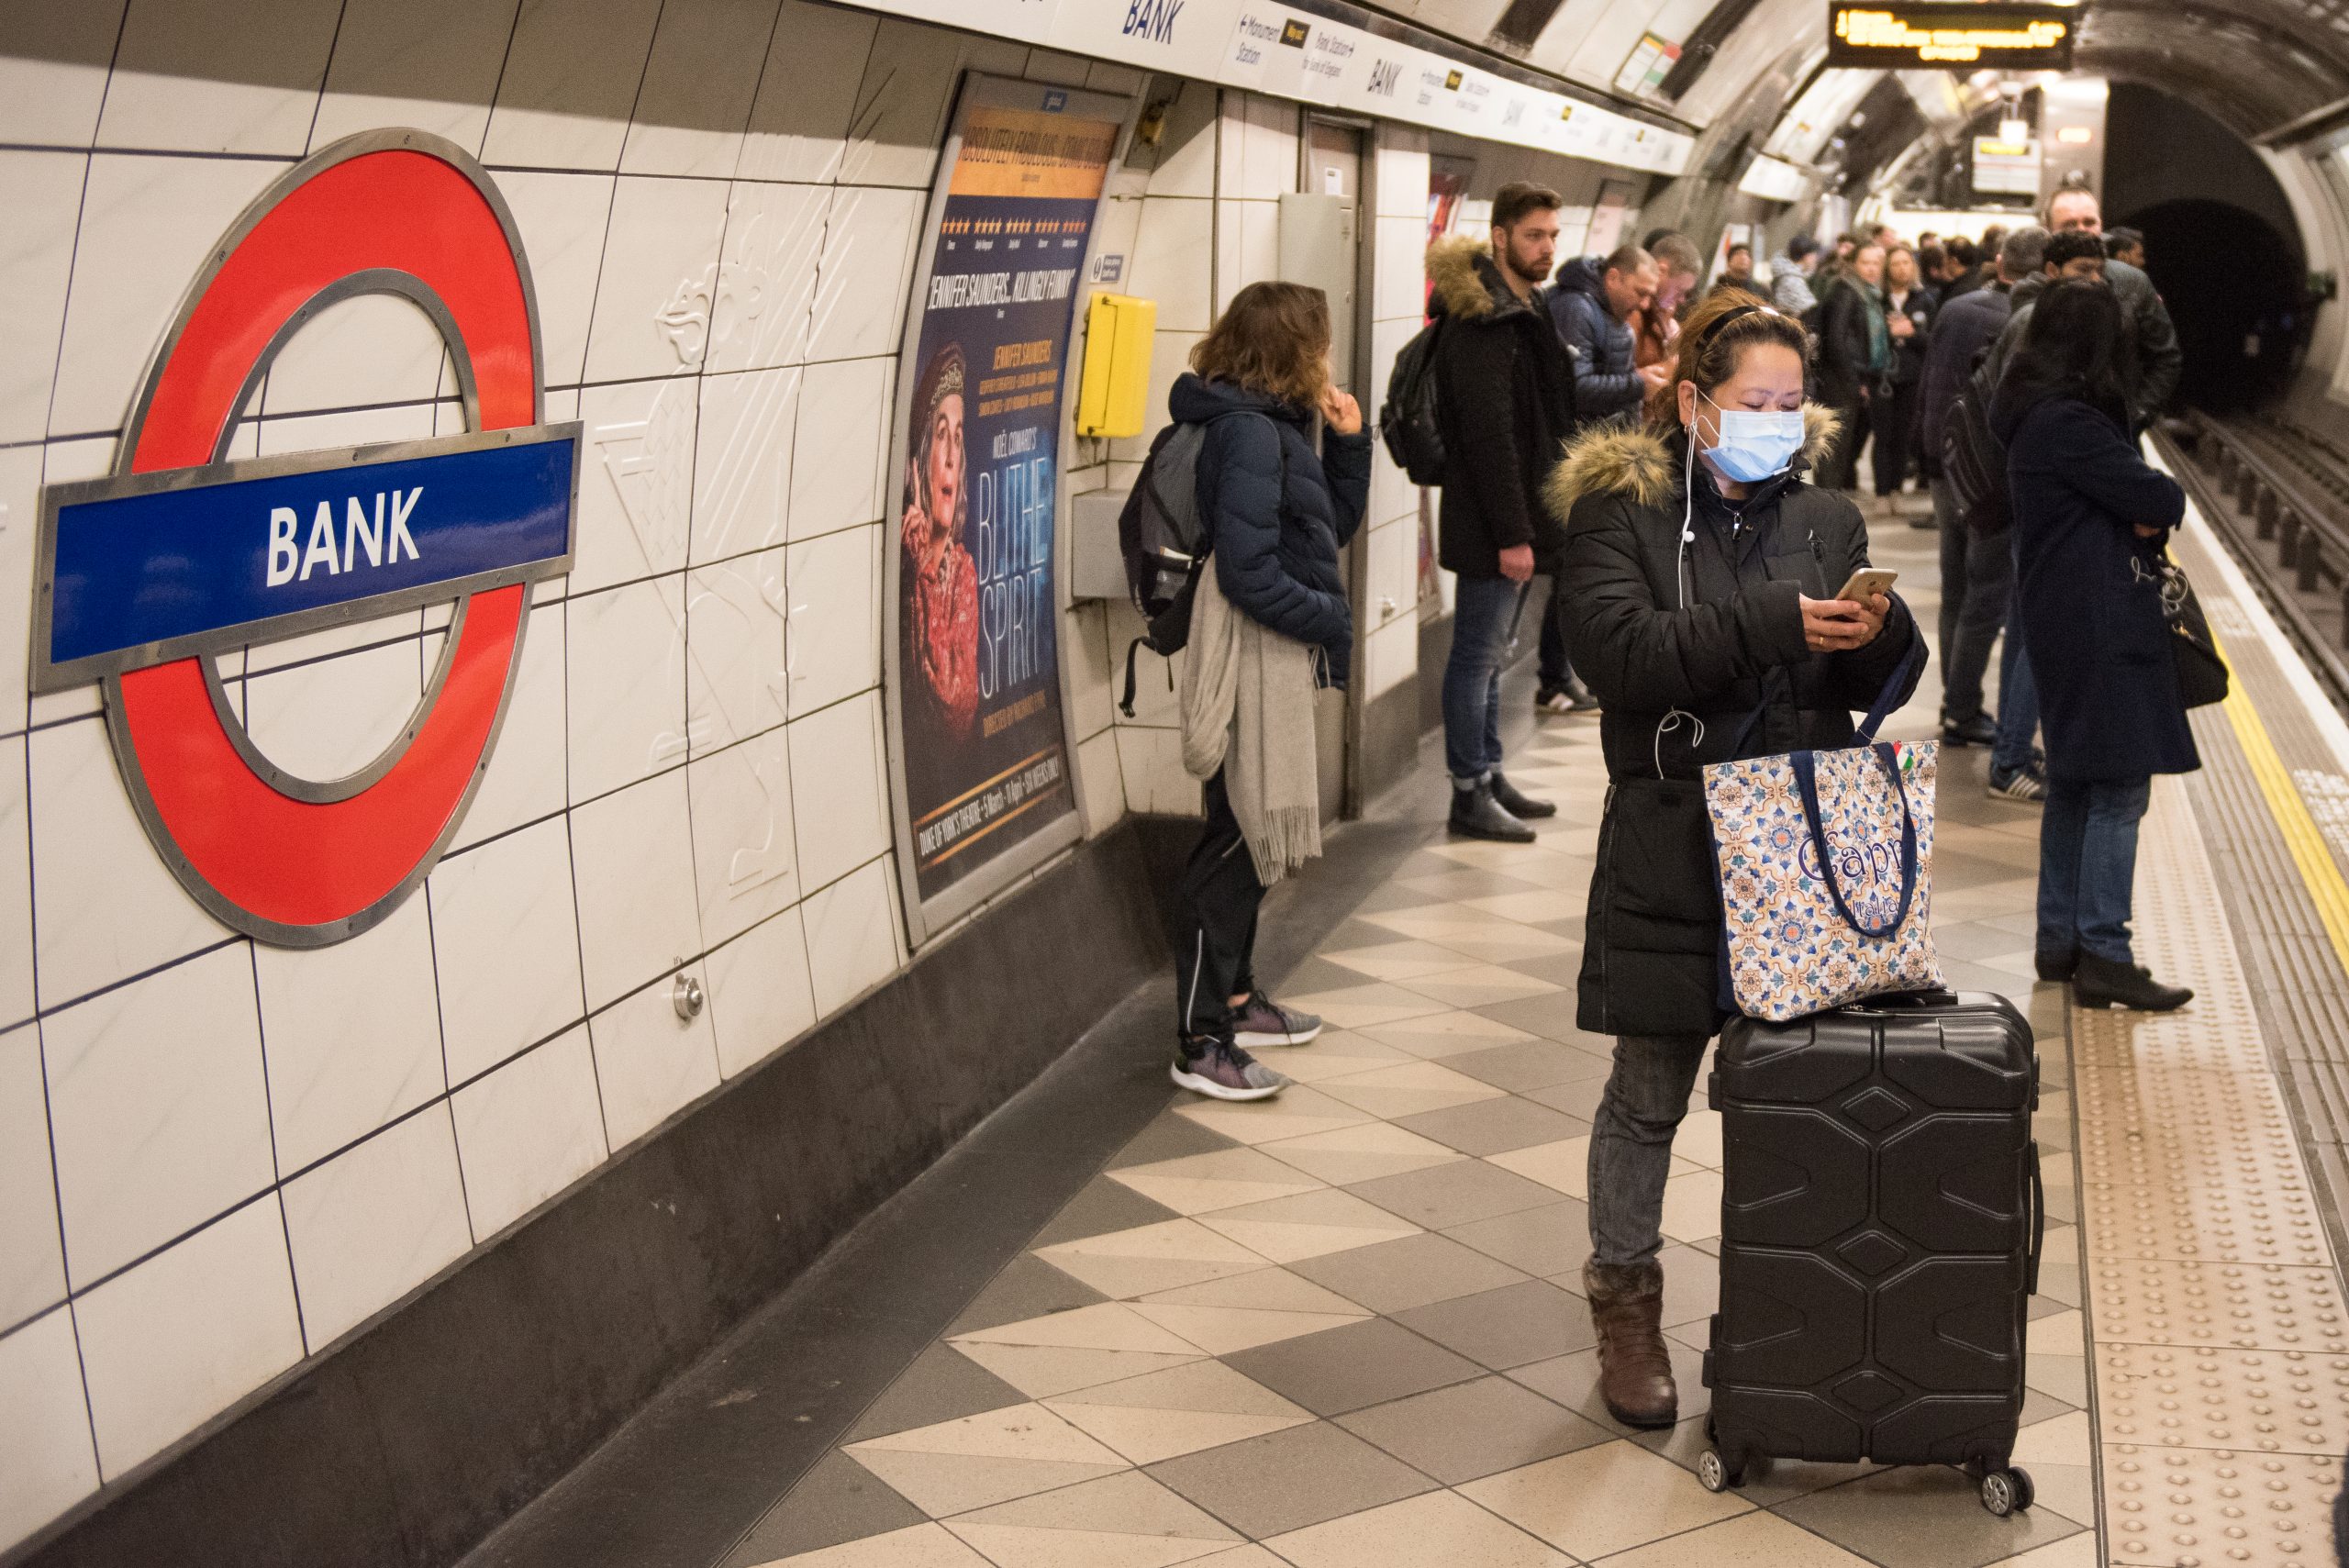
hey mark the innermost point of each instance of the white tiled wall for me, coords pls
(216, 1158)
(1390, 619)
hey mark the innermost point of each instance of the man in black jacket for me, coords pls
(1978, 570)
(1504, 403)
(2151, 334)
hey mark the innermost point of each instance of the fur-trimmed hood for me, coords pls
(1467, 291)
(1636, 462)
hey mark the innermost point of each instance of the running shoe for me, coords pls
(2025, 785)
(1260, 1021)
(1216, 1068)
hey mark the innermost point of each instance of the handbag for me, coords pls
(2202, 672)
(1825, 864)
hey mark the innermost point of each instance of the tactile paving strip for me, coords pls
(2197, 1508)
(2206, 1224)
(2219, 1341)
(2245, 1306)
(2262, 1402)
(2172, 1098)
(2240, 1155)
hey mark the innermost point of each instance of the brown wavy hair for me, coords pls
(1273, 338)
(1713, 338)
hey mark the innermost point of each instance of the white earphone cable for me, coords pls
(1674, 717)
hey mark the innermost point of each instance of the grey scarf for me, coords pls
(1247, 697)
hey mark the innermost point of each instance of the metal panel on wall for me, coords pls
(978, 718)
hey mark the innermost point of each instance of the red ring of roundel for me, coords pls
(289, 862)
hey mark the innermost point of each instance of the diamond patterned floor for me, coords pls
(1341, 1328)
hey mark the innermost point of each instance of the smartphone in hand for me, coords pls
(1865, 584)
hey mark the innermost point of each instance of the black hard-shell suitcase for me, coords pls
(1881, 1225)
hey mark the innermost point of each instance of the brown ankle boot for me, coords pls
(1634, 1370)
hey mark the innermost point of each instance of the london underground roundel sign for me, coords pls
(144, 577)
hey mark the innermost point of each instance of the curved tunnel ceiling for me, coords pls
(2251, 65)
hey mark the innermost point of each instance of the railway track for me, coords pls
(2277, 495)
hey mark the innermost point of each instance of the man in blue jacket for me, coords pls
(1590, 303)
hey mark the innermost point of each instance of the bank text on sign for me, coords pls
(137, 570)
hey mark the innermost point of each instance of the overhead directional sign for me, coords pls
(1951, 35)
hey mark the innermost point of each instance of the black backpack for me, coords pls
(1167, 544)
(1973, 461)
(1164, 545)
(1407, 423)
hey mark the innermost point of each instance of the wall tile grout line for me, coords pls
(890, 99)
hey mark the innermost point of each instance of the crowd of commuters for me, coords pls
(1680, 466)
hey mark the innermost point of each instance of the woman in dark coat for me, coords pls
(1854, 351)
(1908, 317)
(2091, 523)
(1698, 588)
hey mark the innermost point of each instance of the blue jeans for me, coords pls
(2018, 698)
(1472, 677)
(2087, 864)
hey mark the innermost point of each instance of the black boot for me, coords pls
(1516, 803)
(2105, 983)
(1476, 815)
(2055, 967)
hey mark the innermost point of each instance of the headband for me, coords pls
(1715, 329)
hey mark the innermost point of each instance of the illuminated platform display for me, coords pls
(1951, 35)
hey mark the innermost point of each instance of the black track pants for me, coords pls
(1214, 959)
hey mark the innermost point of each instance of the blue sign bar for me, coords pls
(135, 571)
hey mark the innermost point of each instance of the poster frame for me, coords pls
(925, 920)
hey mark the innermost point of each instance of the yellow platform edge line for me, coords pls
(2319, 872)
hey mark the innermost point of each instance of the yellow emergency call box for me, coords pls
(1113, 394)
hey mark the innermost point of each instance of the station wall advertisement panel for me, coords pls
(986, 789)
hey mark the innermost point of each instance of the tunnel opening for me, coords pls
(2235, 290)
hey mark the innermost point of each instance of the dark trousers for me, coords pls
(1892, 421)
(1977, 579)
(1630, 1143)
(1837, 469)
(1216, 950)
(2018, 695)
(1556, 669)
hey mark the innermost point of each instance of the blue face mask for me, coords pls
(1754, 445)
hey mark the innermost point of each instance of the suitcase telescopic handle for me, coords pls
(2038, 1222)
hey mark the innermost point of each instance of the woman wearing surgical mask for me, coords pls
(1699, 582)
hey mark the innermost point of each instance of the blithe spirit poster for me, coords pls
(981, 741)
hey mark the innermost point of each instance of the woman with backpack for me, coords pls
(2091, 527)
(1270, 625)
(1700, 574)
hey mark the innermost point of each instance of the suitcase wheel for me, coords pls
(2004, 1492)
(1715, 1473)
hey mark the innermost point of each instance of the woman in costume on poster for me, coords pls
(941, 607)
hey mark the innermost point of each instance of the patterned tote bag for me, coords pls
(1825, 859)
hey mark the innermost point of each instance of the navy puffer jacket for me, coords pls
(1278, 511)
